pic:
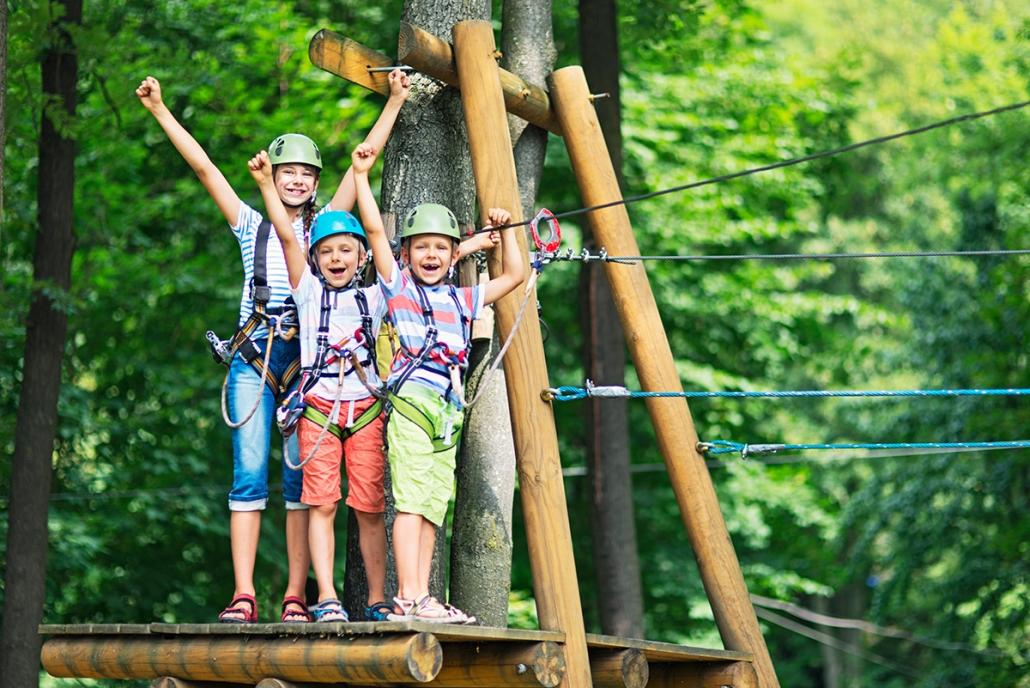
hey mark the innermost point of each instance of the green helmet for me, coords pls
(430, 218)
(294, 148)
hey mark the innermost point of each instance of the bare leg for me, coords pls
(244, 532)
(426, 544)
(322, 540)
(298, 555)
(406, 536)
(372, 539)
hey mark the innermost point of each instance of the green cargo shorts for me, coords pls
(422, 435)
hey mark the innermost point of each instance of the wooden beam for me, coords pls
(656, 367)
(172, 682)
(467, 665)
(536, 440)
(435, 57)
(368, 660)
(618, 669)
(707, 675)
(349, 59)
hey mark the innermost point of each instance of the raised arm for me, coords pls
(400, 85)
(511, 259)
(362, 159)
(149, 94)
(296, 263)
(478, 242)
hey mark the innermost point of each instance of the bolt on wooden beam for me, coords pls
(435, 57)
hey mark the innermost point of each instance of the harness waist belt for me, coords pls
(342, 433)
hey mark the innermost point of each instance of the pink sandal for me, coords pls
(240, 615)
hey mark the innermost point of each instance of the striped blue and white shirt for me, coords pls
(406, 313)
(246, 230)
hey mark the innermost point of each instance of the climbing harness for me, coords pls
(294, 407)
(433, 349)
(281, 323)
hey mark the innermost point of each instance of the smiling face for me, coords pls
(338, 258)
(430, 256)
(295, 183)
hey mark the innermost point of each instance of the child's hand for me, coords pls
(363, 157)
(260, 168)
(492, 238)
(498, 218)
(149, 93)
(400, 84)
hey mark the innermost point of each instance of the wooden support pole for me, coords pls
(703, 675)
(536, 441)
(349, 59)
(434, 56)
(619, 668)
(499, 665)
(656, 367)
(172, 682)
(366, 660)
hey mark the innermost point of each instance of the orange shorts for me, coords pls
(366, 461)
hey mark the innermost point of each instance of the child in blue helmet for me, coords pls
(433, 320)
(342, 419)
(253, 387)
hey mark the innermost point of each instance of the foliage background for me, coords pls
(935, 546)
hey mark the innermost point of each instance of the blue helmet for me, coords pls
(336, 222)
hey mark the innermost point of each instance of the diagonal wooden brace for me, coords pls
(430, 55)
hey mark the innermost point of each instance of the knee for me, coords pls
(367, 518)
(324, 510)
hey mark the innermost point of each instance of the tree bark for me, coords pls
(426, 160)
(46, 326)
(620, 599)
(3, 107)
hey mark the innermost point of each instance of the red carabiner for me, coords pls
(554, 236)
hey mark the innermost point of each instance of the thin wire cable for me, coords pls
(827, 639)
(777, 165)
(572, 393)
(629, 260)
(716, 447)
(867, 627)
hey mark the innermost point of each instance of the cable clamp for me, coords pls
(760, 449)
(611, 391)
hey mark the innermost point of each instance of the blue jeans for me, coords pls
(250, 443)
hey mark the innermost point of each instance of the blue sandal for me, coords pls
(378, 611)
(329, 611)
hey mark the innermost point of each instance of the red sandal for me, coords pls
(240, 615)
(295, 615)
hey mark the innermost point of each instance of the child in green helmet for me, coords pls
(297, 165)
(433, 321)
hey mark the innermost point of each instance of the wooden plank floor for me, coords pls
(445, 632)
(666, 652)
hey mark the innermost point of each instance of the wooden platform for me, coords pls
(371, 654)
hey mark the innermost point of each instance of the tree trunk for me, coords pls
(3, 107)
(36, 425)
(620, 600)
(426, 160)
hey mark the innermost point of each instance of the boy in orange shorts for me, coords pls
(342, 416)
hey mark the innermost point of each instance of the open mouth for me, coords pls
(338, 273)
